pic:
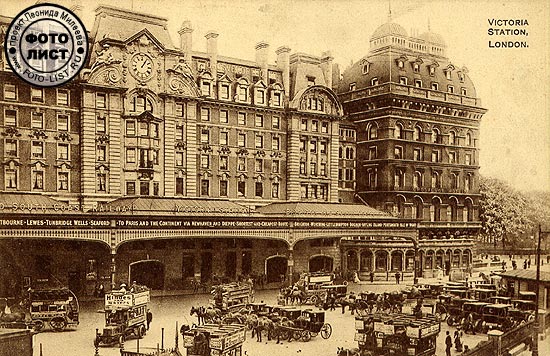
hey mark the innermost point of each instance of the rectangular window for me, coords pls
(324, 127)
(37, 95)
(130, 188)
(205, 114)
(62, 97)
(398, 152)
(101, 153)
(155, 130)
(143, 128)
(101, 124)
(259, 121)
(10, 92)
(259, 141)
(156, 188)
(352, 87)
(179, 132)
(418, 83)
(313, 146)
(275, 166)
(417, 154)
(102, 182)
(372, 153)
(224, 91)
(11, 147)
(303, 168)
(435, 86)
(259, 165)
(205, 88)
(275, 190)
(37, 120)
(452, 157)
(143, 188)
(63, 122)
(303, 125)
(10, 117)
(416, 67)
(259, 189)
(435, 156)
(205, 136)
(403, 80)
(277, 99)
(450, 89)
(241, 164)
(242, 93)
(314, 126)
(179, 186)
(37, 150)
(224, 163)
(63, 151)
(223, 188)
(224, 118)
(100, 100)
(179, 159)
(130, 155)
(468, 159)
(323, 147)
(179, 109)
(224, 137)
(241, 140)
(11, 178)
(374, 81)
(276, 122)
(37, 180)
(303, 145)
(310, 81)
(205, 161)
(63, 181)
(463, 91)
(276, 143)
(241, 118)
(303, 191)
(130, 128)
(260, 96)
(241, 189)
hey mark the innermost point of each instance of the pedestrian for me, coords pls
(448, 344)
(529, 262)
(101, 291)
(458, 342)
(524, 264)
(352, 302)
(397, 277)
(371, 275)
(149, 318)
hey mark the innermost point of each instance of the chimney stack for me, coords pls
(186, 40)
(326, 66)
(212, 50)
(262, 49)
(283, 63)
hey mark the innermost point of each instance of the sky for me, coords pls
(513, 83)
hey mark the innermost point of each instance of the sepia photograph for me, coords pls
(274, 177)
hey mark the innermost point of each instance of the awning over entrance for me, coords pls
(323, 210)
(172, 206)
(35, 203)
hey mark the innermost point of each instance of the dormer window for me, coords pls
(448, 74)
(461, 76)
(243, 93)
(260, 96)
(432, 70)
(224, 91)
(205, 87)
(416, 67)
(403, 80)
(400, 64)
(277, 99)
(352, 87)
(366, 68)
(374, 81)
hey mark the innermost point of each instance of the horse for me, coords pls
(347, 352)
(231, 318)
(206, 314)
(260, 325)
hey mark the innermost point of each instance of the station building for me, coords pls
(163, 163)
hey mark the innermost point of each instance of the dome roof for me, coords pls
(389, 28)
(432, 37)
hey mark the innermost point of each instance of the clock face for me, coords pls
(142, 66)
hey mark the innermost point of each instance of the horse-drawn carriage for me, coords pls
(214, 340)
(369, 302)
(304, 324)
(309, 289)
(231, 296)
(57, 307)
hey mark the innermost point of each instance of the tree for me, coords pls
(503, 211)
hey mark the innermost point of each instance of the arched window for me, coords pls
(372, 132)
(417, 180)
(469, 210)
(419, 208)
(454, 209)
(417, 133)
(467, 182)
(452, 138)
(436, 209)
(435, 136)
(468, 139)
(140, 104)
(398, 132)
(400, 206)
(399, 178)
(436, 180)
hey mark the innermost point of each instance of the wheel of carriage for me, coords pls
(58, 324)
(285, 334)
(141, 331)
(326, 331)
(441, 313)
(296, 335)
(38, 325)
(306, 336)
(314, 299)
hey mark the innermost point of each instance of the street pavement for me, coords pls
(168, 310)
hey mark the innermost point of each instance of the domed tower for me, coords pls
(417, 118)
